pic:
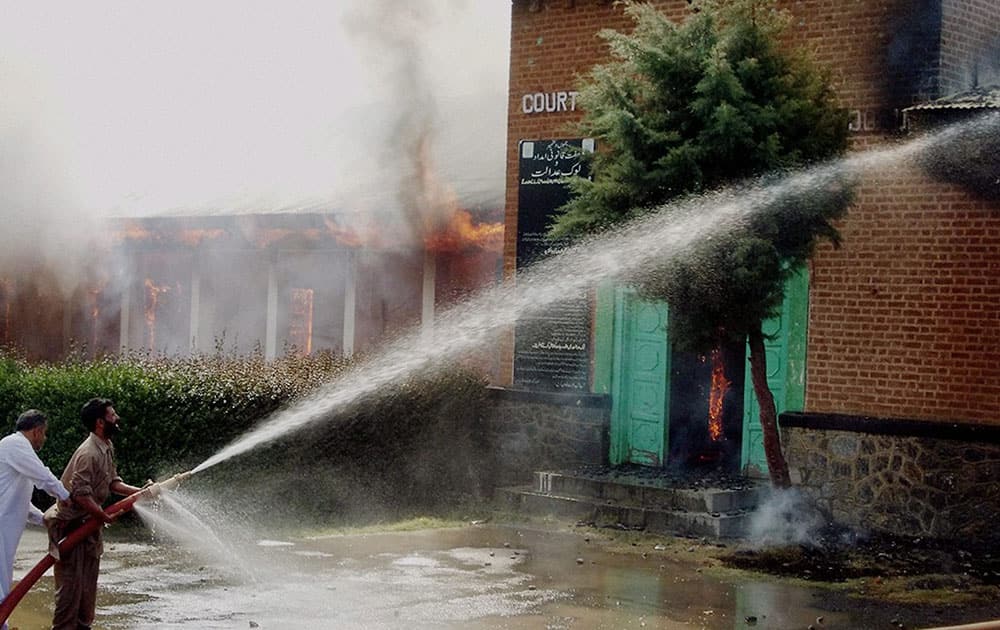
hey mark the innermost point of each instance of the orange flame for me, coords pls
(344, 235)
(193, 237)
(301, 324)
(720, 384)
(460, 233)
(153, 292)
(133, 231)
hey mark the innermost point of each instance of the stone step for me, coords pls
(633, 492)
(605, 513)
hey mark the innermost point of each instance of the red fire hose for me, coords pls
(73, 539)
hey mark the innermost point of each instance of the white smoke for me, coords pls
(140, 109)
(786, 517)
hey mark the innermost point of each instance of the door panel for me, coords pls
(639, 381)
(754, 462)
(784, 342)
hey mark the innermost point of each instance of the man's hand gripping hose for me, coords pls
(149, 491)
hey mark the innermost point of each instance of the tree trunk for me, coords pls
(776, 464)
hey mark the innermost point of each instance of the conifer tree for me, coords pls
(681, 109)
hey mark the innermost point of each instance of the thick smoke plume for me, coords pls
(242, 107)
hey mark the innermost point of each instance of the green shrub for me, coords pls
(409, 447)
(401, 446)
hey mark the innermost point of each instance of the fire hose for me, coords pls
(73, 539)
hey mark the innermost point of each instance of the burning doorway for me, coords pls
(662, 400)
(671, 408)
(706, 409)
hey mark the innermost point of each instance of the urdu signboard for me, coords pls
(552, 348)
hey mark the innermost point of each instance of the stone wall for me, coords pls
(529, 431)
(905, 477)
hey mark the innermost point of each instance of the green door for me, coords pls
(784, 347)
(641, 368)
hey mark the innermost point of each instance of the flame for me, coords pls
(716, 395)
(344, 235)
(153, 292)
(301, 320)
(133, 231)
(434, 200)
(460, 233)
(193, 237)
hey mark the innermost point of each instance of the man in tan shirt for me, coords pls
(90, 476)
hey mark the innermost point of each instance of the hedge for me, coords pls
(400, 447)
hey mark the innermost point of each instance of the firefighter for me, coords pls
(90, 475)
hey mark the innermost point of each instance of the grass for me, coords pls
(936, 590)
(459, 517)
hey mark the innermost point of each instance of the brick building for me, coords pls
(890, 377)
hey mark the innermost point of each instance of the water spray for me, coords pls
(91, 525)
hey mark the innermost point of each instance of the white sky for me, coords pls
(148, 108)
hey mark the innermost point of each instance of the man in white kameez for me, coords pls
(20, 470)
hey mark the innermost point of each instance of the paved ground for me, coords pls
(472, 577)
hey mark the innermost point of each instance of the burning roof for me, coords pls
(465, 230)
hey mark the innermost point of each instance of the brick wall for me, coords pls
(549, 47)
(903, 319)
(970, 45)
(553, 42)
(905, 316)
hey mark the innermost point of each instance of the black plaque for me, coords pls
(551, 349)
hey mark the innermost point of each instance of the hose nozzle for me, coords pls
(153, 490)
(173, 482)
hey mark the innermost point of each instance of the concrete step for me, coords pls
(647, 494)
(608, 513)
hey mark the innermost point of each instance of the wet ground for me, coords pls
(481, 576)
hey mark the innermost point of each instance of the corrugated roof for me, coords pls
(977, 98)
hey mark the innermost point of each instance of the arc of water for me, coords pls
(655, 239)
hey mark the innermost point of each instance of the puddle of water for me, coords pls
(475, 577)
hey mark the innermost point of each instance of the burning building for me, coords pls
(885, 356)
(267, 283)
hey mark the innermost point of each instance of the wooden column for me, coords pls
(427, 312)
(350, 302)
(271, 328)
(195, 306)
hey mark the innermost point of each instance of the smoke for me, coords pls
(389, 34)
(34, 192)
(194, 108)
(786, 517)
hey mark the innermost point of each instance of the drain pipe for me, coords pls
(73, 539)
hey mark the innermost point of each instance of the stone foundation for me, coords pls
(914, 478)
(529, 431)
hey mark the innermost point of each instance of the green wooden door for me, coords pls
(640, 371)
(784, 348)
